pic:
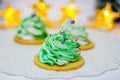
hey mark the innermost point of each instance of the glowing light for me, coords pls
(69, 11)
(11, 16)
(41, 9)
(106, 17)
(106, 13)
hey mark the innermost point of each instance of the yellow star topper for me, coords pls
(11, 16)
(41, 8)
(106, 17)
(69, 11)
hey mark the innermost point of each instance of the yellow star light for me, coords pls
(41, 8)
(11, 16)
(69, 11)
(106, 17)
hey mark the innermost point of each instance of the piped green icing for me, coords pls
(32, 28)
(55, 51)
(77, 31)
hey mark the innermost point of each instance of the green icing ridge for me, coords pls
(73, 28)
(59, 49)
(32, 26)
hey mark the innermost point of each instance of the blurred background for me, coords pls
(87, 6)
(25, 6)
(115, 4)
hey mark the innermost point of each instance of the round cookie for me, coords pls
(70, 66)
(29, 42)
(87, 47)
(59, 53)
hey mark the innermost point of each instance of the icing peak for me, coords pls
(77, 32)
(32, 28)
(59, 49)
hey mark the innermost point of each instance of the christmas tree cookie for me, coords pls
(60, 53)
(78, 33)
(31, 31)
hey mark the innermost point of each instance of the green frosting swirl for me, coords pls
(32, 28)
(77, 32)
(59, 49)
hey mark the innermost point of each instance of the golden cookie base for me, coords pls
(87, 47)
(70, 66)
(33, 42)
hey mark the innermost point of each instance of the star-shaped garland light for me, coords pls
(105, 17)
(69, 11)
(11, 16)
(41, 9)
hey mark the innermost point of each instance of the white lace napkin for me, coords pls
(17, 60)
